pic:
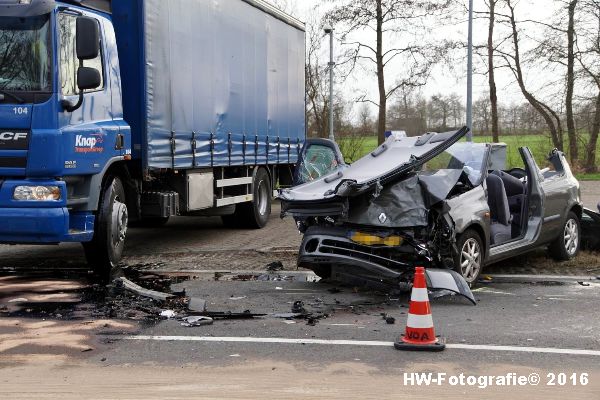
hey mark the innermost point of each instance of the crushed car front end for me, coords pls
(387, 213)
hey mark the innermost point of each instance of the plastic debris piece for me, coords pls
(197, 304)
(275, 266)
(19, 300)
(237, 298)
(140, 291)
(298, 307)
(168, 314)
(390, 320)
(278, 288)
(193, 321)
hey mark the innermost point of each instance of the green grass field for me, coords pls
(539, 145)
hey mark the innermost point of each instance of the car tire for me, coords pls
(255, 214)
(468, 261)
(566, 246)
(105, 250)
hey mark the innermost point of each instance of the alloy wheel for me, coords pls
(571, 237)
(470, 260)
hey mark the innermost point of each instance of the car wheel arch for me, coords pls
(577, 209)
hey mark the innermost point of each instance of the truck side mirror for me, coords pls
(88, 78)
(87, 38)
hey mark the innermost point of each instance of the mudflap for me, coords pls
(590, 229)
(446, 279)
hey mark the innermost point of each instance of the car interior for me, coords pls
(506, 199)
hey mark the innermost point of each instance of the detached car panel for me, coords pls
(432, 200)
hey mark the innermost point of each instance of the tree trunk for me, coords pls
(546, 112)
(491, 74)
(590, 159)
(381, 123)
(573, 151)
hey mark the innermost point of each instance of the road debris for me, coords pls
(298, 307)
(18, 300)
(229, 315)
(193, 321)
(275, 266)
(168, 314)
(196, 304)
(140, 291)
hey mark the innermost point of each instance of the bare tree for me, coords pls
(514, 63)
(572, 135)
(492, 72)
(315, 74)
(587, 57)
(386, 18)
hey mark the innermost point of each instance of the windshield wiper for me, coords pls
(4, 93)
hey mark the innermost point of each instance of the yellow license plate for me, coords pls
(369, 239)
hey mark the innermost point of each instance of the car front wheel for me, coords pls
(468, 261)
(566, 246)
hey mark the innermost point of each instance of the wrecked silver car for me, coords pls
(433, 200)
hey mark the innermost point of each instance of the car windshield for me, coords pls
(25, 54)
(465, 156)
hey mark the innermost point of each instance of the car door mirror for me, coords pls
(87, 38)
(88, 78)
(318, 158)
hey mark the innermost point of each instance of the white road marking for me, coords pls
(372, 343)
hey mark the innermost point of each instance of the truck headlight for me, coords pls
(37, 193)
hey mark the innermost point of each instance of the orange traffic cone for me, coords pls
(420, 334)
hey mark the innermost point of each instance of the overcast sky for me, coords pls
(442, 80)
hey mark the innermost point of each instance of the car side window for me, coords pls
(69, 63)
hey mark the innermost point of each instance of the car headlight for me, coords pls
(37, 193)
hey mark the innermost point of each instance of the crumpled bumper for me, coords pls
(380, 265)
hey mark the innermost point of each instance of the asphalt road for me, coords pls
(55, 343)
(516, 327)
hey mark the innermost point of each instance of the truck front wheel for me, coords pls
(255, 214)
(105, 250)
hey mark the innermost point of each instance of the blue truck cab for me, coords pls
(124, 111)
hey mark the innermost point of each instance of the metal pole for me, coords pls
(470, 74)
(331, 65)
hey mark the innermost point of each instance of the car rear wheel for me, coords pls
(468, 261)
(566, 246)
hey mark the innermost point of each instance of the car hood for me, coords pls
(394, 159)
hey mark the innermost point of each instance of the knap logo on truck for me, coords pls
(89, 144)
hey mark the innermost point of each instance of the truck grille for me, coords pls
(13, 162)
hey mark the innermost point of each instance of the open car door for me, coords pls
(318, 158)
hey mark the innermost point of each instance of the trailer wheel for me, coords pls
(255, 214)
(105, 250)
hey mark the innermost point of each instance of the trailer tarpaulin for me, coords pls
(223, 77)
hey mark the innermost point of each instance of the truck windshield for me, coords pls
(25, 54)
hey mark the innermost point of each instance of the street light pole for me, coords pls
(470, 75)
(331, 65)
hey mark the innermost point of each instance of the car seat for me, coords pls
(501, 230)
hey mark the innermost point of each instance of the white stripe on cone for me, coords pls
(419, 321)
(419, 294)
